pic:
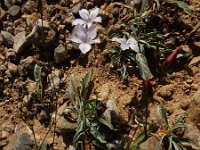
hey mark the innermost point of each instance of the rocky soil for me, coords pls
(21, 48)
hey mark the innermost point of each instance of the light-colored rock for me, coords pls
(14, 10)
(22, 141)
(54, 78)
(8, 38)
(111, 113)
(12, 68)
(26, 66)
(166, 91)
(196, 99)
(20, 42)
(64, 125)
(60, 54)
(195, 61)
(149, 144)
(193, 133)
(104, 91)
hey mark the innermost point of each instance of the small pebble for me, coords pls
(184, 105)
(195, 87)
(170, 110)
(14, 10)
(189, 81)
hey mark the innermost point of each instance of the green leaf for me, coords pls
(189, 143)
(114, 50)
(106, 123)
(159, 145)
(182, 5)
(162, 113)
(79, 133)
(141, 61)
(170, 143)
(123, 72)
(115, 59)
(144, 3)
(139, 139)
(176, 146)
(94, 130)
(73, 84)
(141, 122)
(85, 83)
(37, 72)
(69, 95)
(177, 125)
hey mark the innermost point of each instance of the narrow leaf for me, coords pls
(141, 61)
(182, 5)
(106, 123)
(139, 139)
(37, 72)
(162, 114)
(85, 83)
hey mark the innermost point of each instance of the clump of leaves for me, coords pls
(89, 119)
(167, 134)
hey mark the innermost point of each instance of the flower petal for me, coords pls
(94, 12)
(81, 32)
(97, 19)
(84, 14)
(124, 46)
(75, 39)
(78, 21)
(92, 32)
(115, 39)
(133, 44)
(84, 47)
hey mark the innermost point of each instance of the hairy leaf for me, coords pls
(37, 72)
(141, 61)
(85, 83)
(162, 113)
(123, 72)
(182, 5)
(139, 139)
(106, 123)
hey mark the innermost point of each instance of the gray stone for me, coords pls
(60, 54)
(111, 113)
(20, 42)
(149, 144)
(21, 142)
(76, 8)
(8, 3)
(14, 10)
(26, 66)
(8, 38)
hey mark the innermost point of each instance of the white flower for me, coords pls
(87, 18)
(85, 37)
(126, 44)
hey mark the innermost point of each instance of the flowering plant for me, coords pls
(87, 17)
(85, 37)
